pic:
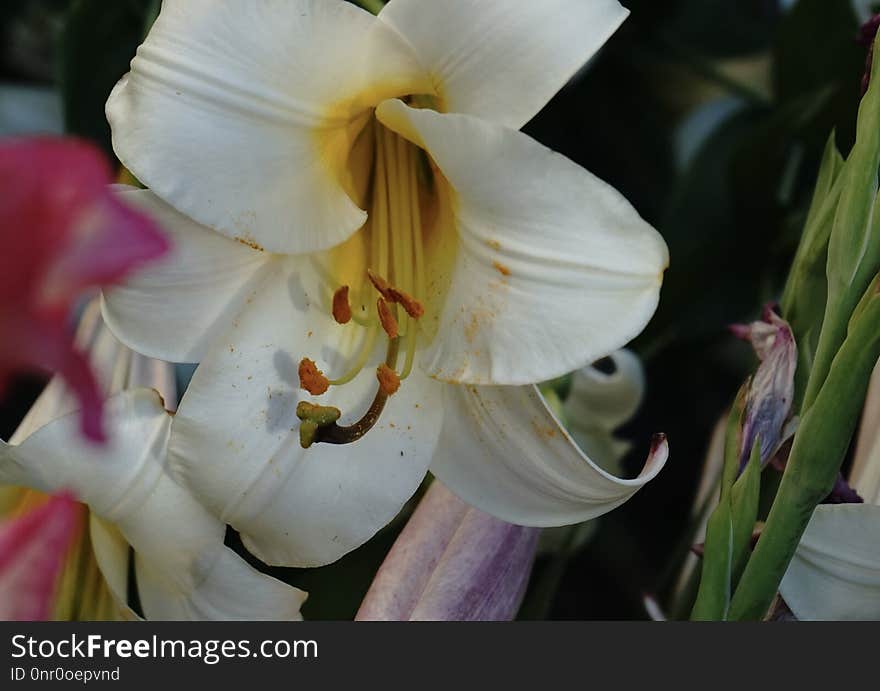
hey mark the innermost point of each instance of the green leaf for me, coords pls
(729, 530)
(713, 598)
(733, 440)
(97, 43)
(744, 500)
(854, 244)
(805, 295)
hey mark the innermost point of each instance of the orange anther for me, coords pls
(341, 306)
(380, 284)
(412, 306)
(389, 382)
(389, 323)
(311, 378)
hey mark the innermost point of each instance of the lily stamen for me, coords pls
(381, 285)
(331, 433)
(389, 382)
(311, 378)
(411, 306)
(395, 245)
(341, 306)
(387, 318)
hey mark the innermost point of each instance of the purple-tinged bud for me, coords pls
(452, 563)
(867, 34)
(842, 493)
(771, 390)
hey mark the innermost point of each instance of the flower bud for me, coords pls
(771, 390)
(452, 563)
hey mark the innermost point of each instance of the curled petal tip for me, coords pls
(658, 454)
(656, 441)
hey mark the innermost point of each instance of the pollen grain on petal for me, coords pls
(341, 306)
(389, 382)
(501, 268)
(311, 378)
(250, 242)
(389, 322)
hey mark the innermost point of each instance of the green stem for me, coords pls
(816, 456)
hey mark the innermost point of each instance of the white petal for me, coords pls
(554, 269)
(237, 113)
(220, 586)
(107, 477)
(599, 403)
(835, 573)
(174, 308)
(112, 553)
(502, 451)
(188, 571)
(235, 439)
(503, 61)
(864, 477)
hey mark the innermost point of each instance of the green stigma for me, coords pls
(314, 417)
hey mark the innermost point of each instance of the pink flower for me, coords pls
(62, 230)
(32, 551)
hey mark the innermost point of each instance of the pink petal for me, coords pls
(34, 344)
(32, 551)
(63, 230)
(46, 184)
(78, 375)
(106, 243)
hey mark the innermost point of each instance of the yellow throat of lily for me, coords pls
(382, 285)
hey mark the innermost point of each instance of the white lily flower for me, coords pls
(292, 146)
(182, 567)
(835, 573)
